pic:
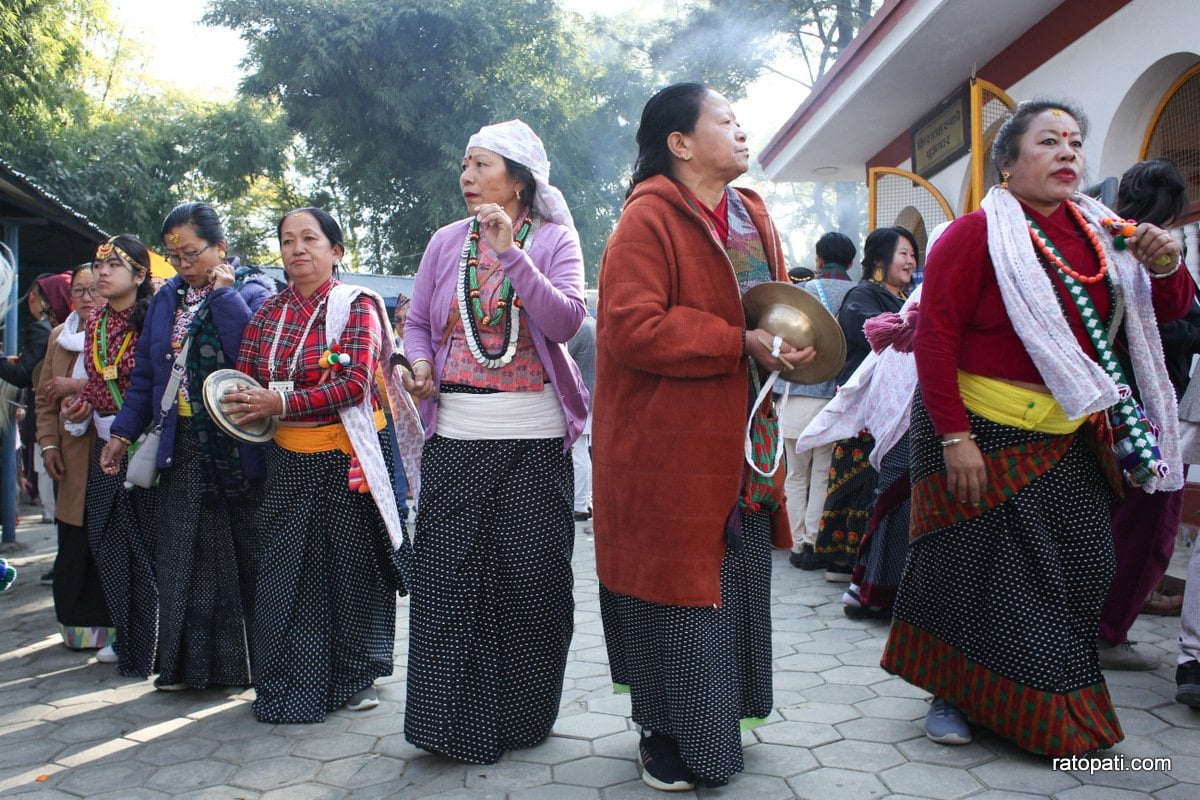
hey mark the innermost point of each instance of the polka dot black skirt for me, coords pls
(118, 524)
(883, 552)
(699, 674)
(998, 613)
(492, 609)
(324, 624)
(205, 566)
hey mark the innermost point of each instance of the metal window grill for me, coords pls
(1173, 134)
(902, 199)
(994, 110)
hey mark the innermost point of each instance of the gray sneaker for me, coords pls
(363, 699)
(1124, 656)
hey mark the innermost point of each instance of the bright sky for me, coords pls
(204, 60)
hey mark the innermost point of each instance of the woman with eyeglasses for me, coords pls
(114, 517)
(83, 618)
(209, 483)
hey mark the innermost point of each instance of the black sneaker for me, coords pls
(807, 559)
(1187, 682)
(662, 766)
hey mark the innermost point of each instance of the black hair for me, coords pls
(1007, 146)
(675, 108)
(133, 247)
(325, 221)
(1153, 191)
(200, 216)
(328, 225)
(836, 248)
(880, 249)
(522, 174)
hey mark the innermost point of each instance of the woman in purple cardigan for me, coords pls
(209, 484)
(497, 297)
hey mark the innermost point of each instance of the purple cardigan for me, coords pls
(548, 279)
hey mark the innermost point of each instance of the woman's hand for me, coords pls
(75, 409)
(61, 386)
(52, 460)
(495, 226)
(760, 345)
(965, 471)
(222, 276)
(111, 455)
(420, 382)
(1155, 248)
(249, 403)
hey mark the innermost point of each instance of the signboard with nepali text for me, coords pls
(943, 135)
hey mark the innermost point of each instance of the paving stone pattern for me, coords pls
(843, 729)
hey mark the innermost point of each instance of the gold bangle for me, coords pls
(419, 360)
(120, 439)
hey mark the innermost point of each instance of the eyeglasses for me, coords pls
(177, 259)
(80, 291)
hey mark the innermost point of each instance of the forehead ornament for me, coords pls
(173, 238)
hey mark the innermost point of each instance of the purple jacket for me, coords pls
(548, 279)
(231, 310)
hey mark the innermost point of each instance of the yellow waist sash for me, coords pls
(322, 438)
(185, 408)
(1015, 406)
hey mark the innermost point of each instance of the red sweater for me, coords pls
(964, 324)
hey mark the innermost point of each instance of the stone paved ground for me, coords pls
(843, 729)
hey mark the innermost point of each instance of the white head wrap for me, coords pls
(516, 141)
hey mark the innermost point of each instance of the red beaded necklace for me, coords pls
(1043, 246)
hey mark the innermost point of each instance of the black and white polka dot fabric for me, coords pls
(324, 622)
(694, 673)
(204, 571)
(492, 609)
(1017, 589)
(119, 526)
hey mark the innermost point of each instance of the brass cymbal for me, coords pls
(802, 321)
(216, 385)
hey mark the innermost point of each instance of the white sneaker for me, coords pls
(106, 655)
(363, 699)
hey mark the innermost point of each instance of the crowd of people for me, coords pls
(957, 474)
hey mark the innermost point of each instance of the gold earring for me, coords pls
(518, 195)
(1004, 179)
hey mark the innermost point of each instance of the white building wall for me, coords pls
(1117, 74)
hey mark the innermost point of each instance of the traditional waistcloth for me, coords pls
(852, 482)
(884, 548)
(325, 595)
(492, 610)
(998, 607)
(205, 557)
(118, 525)
(700, 675)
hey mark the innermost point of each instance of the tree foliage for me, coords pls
(44, 64)
(386, 93)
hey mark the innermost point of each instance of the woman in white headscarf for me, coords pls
(496, 298)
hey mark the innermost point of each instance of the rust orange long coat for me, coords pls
(671, 402)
